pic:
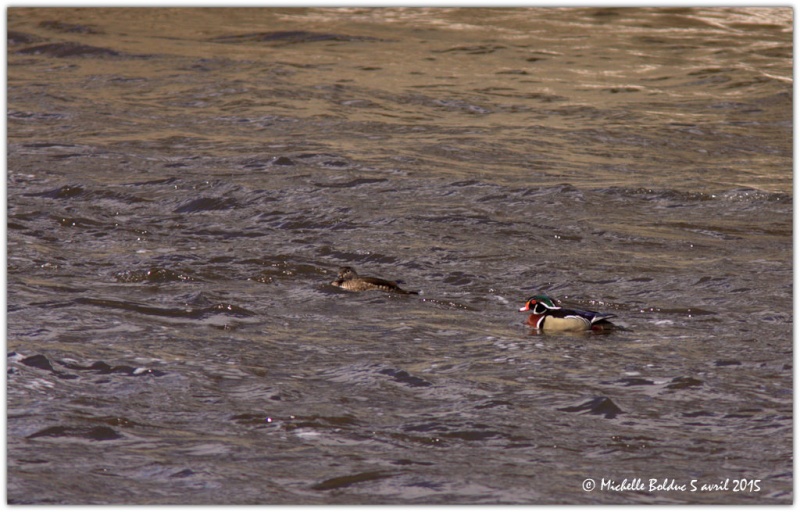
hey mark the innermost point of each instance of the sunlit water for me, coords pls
(183, 185)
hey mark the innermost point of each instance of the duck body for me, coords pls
(547, 316)
(348, 279)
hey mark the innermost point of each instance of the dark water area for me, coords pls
(183, 185)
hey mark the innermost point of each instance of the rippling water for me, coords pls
(183, 185)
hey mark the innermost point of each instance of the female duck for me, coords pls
(348, 279)
(545, 315)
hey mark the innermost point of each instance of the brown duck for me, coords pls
(349, 280)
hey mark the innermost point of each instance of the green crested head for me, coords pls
(538, 304)
(544, 300)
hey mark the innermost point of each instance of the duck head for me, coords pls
(345, 274)
(539, 305)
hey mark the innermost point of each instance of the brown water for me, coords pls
(183, 185)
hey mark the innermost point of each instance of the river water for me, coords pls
(183, 185)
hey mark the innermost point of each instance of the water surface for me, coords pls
(183, 184)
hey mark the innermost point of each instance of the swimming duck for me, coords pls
(548, 316)
(348, 279)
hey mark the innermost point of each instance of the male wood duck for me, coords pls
(547, 316)
(348, 279)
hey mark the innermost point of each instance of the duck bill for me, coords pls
(526, 307)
